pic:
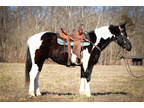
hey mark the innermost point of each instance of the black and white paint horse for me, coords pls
(44, 45)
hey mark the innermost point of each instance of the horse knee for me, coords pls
(88, 76)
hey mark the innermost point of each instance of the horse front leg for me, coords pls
(87, 89)
(85, 83)
(82, 83)
(85, 75)
(88, 62)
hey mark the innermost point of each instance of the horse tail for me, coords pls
(28, 67)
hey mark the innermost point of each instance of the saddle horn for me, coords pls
(62, 29)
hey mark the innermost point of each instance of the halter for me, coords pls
(121, 33)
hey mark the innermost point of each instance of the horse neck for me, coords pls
(104, 43)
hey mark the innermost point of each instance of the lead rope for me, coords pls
(128, 68)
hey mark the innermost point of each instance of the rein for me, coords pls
(127, 66)
(128, 69)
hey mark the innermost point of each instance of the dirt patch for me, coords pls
(61, 84)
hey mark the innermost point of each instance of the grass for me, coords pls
(61, 84)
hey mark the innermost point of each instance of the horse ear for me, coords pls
(111, 29)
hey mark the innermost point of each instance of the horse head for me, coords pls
(121, 37)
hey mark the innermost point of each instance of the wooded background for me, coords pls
(17, 24)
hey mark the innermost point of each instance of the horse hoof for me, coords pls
(82, 93)
(31, 96)
(88, 95)
(38, 94)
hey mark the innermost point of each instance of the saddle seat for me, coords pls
(77, 41)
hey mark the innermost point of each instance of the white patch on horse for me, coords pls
(73, 58)
(34, 43)
(33, 73)
(37, 85)
(87, 89)
(82, 86)
(85, 58)
(102, 32)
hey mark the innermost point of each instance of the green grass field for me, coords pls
(61, 84)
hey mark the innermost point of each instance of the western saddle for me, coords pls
(78, 37)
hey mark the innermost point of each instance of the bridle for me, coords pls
(121, 32)
(122, 36)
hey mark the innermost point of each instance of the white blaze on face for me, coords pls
(102, 32)
(85, 58)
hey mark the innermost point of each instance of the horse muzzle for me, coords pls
(128, 46)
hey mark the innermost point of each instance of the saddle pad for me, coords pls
(61, 42)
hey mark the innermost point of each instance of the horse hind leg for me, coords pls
(37, 89)
(34, 76)
(39, 60)
(34, 73)
(31, 73)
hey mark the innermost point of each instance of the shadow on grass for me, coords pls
(59, 94)
(93, 94)
(109, 93)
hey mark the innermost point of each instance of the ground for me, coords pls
(61, 84)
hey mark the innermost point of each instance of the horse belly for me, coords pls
(60, 58)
